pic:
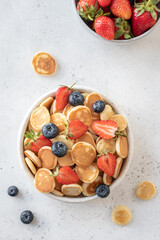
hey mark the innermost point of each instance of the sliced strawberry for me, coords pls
(76, 129)
(107, 163)
(62, 95)
(39, 143)
(105, 128)
(66, 175)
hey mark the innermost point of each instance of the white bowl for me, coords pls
(118, 42)
(20, 142)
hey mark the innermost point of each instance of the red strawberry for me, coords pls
(122, 29)
(37, 140)
(104, 27)
(144, 16)
(76, 129)
(121, 9)
(66, 175)
(39, 143)
(105, 128)
(88, 9)
(62, 95)
(107, 163)
(104, 3)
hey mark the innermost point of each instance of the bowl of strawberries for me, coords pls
(119, 20)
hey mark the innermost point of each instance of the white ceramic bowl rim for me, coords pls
(118, 42)
(21, 140)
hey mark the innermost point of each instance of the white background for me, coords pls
(129, 75)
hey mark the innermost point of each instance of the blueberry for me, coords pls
(98, 106)
(76, 98)
(12, 191)
(26, 217)
(50, 130)
(59, 149)
(102, 191)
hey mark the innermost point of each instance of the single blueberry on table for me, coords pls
(76, 98)
(102, 190)
(98, 106)
(12, 191)
(59, 149)
(26, 217)
(50, 130)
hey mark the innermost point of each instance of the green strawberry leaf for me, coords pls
(118, 33)
(127, 36)
(154, 15)
(140, 12)
(118, 20)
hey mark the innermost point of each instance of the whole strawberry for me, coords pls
(121, 9)
(104, 3)
(87, 9)
(104, 27)
(144, 16)
(122, 29)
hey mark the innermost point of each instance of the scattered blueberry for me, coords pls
(50, 130)
(103, 190)
(76, 98)
(26, 217)
(59, 149)
(12, 191)
(98, 106)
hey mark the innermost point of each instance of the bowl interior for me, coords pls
(116, 41)
(23, 128)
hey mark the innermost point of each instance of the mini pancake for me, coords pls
(47, 102)
(39, 117)
(107, 113)
(53, 108)
(87, 137)
(90, 99)
(90, 128)
(146, 190)
(121, 215)
(59, 119)
(94, 136)
(43, 181)
(71, 190)
(28, 147)
(104, 146)
(89, 189)
(48, 159)
(62, 138)
(57, 193)
(120, 120)
(30, 165)
(58, 186)
(67, 108)
(107, 179)
(98, 139)
(119, 162)
(122, 146)
(44, 64)
(85, 94)
(83, 154)
(66, 160)
(30, 127)
(81, 113)
(33, 158)
(87, 174)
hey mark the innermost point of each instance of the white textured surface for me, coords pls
(129, 75)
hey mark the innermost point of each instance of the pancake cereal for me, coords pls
(66, 149)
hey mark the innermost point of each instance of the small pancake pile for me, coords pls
(74, 142)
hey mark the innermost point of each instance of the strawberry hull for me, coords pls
(142, 23)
